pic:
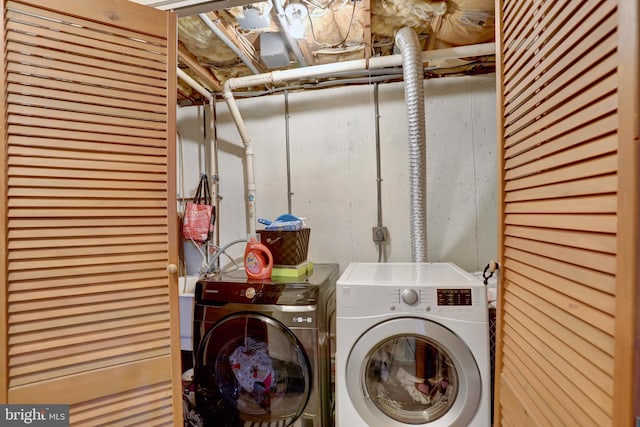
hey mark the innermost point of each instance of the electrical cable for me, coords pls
(317, 5)
(345, 49)
(313, 34)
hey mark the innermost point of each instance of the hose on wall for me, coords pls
(407, 42)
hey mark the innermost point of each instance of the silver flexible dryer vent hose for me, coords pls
(407, 42)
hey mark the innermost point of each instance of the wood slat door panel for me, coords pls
(578, 315)
(594, 110)
(556, 40)
(573, 341)
(89, 146)
(595, 298)
(601, 127)
(595, 65)
(597, 241)
(585, 276)
(598, 155)
(515, 396)
(588, 372)
(568, 120)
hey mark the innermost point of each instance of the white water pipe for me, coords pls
(315, 71)
(194, 84)
(213, 154)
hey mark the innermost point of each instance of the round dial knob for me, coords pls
(410, 296)
(250, 292)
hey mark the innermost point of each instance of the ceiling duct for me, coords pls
(253, 18)
(273, 50)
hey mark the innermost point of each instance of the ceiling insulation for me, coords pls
(317, 32)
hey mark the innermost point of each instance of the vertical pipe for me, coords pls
(248, 152)
(286, 121)
(378, 167)
(212, 149)
(407, 41)
(214, 174)
(206, 144)
(378, 161)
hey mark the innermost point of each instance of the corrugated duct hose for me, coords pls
(407, 42)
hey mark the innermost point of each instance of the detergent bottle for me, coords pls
(258, 261)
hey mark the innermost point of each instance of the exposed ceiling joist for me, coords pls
(225, 31)
(225, 39)
(204, 74)
(307, 52)
(366, 29)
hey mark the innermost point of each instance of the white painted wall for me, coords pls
(333, 168)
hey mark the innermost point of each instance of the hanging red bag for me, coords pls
(199, 215)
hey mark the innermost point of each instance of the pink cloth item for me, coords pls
(251, 364)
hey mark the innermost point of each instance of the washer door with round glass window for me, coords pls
(412, 371)
(251, 368)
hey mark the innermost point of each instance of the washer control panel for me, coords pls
(410, 296)
(454, 297)
(417, 289)
(462, 303)
(434, 299)
(442, 297)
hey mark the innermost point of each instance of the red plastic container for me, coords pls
(258, 261)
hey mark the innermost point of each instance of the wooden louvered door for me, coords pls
(568, 105)
(87, 190)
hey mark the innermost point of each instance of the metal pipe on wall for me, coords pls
(286, 121)
(211, 147)
(316, 71)
(378, 168)
(214, 177)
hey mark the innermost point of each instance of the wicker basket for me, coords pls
(287, 247)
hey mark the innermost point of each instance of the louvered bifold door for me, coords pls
(563, 293)
(88, 189)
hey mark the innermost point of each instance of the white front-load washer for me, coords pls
(412, 346)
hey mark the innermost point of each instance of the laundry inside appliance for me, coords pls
(409, 375)
(263, 375)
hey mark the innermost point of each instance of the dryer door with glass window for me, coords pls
(251, 368)
(412, 371)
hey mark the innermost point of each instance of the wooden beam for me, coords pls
(366, 29)
(234, 37)
(185, 96)
(202, 72)
(307, 53)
